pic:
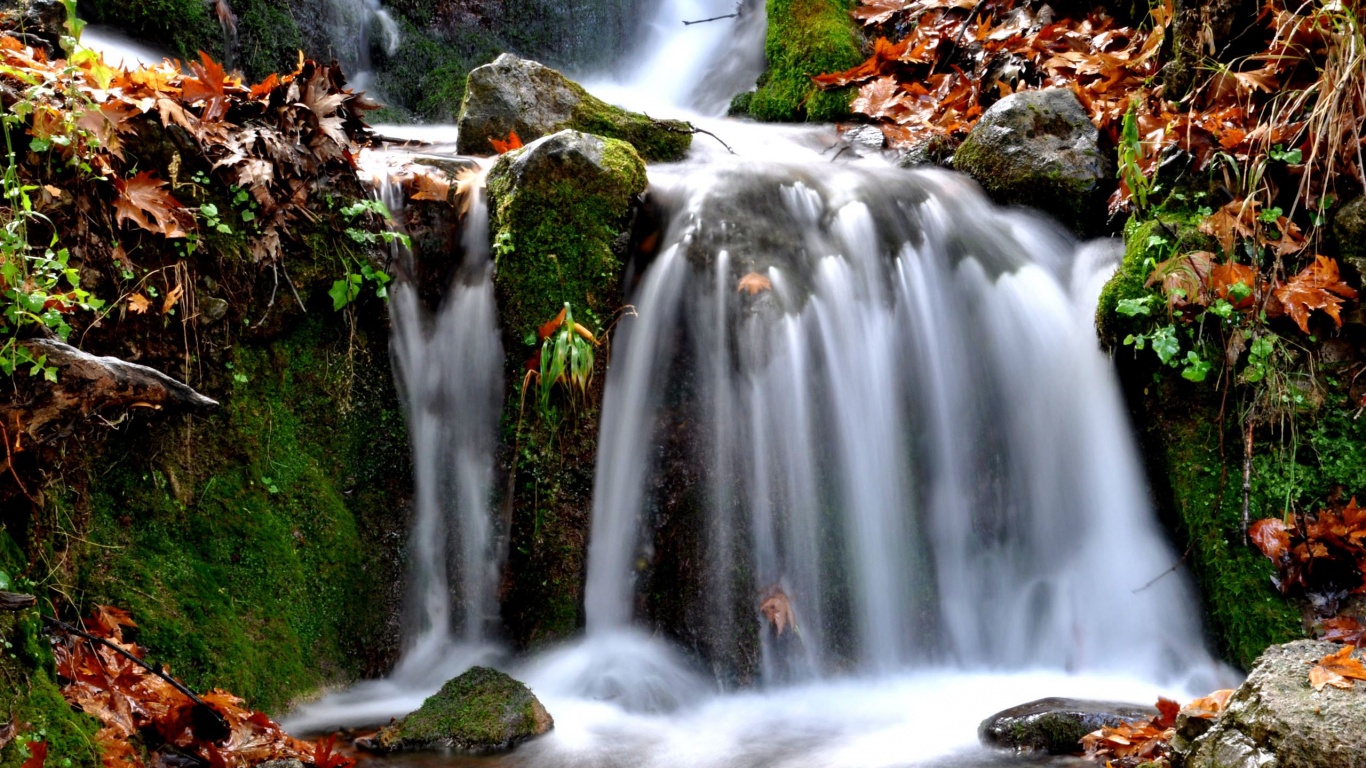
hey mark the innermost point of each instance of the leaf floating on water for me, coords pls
(754, 283)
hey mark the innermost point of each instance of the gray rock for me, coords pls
(522, 96)
(285, 763)
(1055, 725)
(1277, 720)
(1039, 149)
(1349, 227)
(481, 711)
(212, 309)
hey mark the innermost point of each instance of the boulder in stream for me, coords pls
(522, 96)
(481, 711)
(1039, 149)
(1277, 720)
(557, 209)
(1055, 725)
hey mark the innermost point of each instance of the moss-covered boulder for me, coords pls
(557, 208)
(1055, 725)
(1276, 718)
(481, 711)
(805, 38)
(517, 95)
(1039, 149)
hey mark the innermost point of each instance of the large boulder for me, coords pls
(557, 209)
(481, 711)
(1277, 720)
(1055, 725)
(522, 96)
(1039, 149)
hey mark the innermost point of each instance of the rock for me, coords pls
(212, 309)
(1277, 719)
(533, 100)
(284, 763)
(1055, 725)
(1039, 149)
(1349, 227)
(481, 711)
(557, 208)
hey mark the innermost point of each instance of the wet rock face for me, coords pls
(1349, 227)
(1277, 719)
(481, 711)
(1055, 725)
(533, 100)
(1039, 149)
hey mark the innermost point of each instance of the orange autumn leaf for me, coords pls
(1317, 287)
(553, 325)
(503, 147)
(1271, 537)
(1338, 670)
(1225, 276)
(754, 283)
(1208, 707)
(144, 200)
(37, 755)
(777, 609)
(209, 84)
(1343, 629)
(431, 185)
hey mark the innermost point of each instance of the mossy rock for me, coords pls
(1039, 149)
(1349, 228)
(805, 38)
(557, 208)
(1145, 239)
(481, 711)
(182, 28)
(514, 95)
(1055, 725)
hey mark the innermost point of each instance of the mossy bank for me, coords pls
(805, 38)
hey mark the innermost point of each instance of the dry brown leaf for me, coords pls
(778, 610)
(145, 196)
(754, 283)
(171, 298)
(138, 304)
(1317, 286)
(1338, 670)
(1271, 537)
(1208, 707)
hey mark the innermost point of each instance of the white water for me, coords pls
(913, 434)
(350, 25)
(118, 49)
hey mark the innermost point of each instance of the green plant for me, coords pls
(358, 269)
(566, 359)
(1130, 160)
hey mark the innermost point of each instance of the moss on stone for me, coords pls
(1147, 241)
(553, 237)
(29, 694)
(656, 140)
(482, 710)
(806, 38)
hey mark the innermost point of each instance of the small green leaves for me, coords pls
(1165, 344)
(345, 290)
(1197, 368)
(1134, 307)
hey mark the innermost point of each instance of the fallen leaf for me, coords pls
(753, 283)
(137, 303)
(145, 196)
(1338, 670)
(1343, 629)
(1318, 286)
(1208, 707)
(37, 754)
(503, 147)
(778, 610)
(1271, 537)
(171, 298)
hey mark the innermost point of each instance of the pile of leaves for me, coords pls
(274, 139)
(1148, 742)
(960, 56)
(147, 720)
(1323, 558)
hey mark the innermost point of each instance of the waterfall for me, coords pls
(908, 429)
(350, 25)
(448, 367)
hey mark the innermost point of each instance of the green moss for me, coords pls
(240, 550)
(806, 38)
(656, 140)
(553, 237)
(268, 38)
(181, 27)
(425, 77)
(482, 709)
(1245, 612)
(1146, 242)
(29, 694)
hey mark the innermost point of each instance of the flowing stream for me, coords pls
(904, 433)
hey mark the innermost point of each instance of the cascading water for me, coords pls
(448, 366)
(905, 435)
(350, 25)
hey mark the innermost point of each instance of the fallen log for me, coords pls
(88, 384)
(14, 601)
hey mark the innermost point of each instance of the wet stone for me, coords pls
(1055, 725)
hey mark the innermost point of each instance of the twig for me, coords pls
(275, 270)
(15, 601)
(735, 15)
(958, 41)
(9, 463)
(174, 683)
(1167, 572)
(665, 126)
